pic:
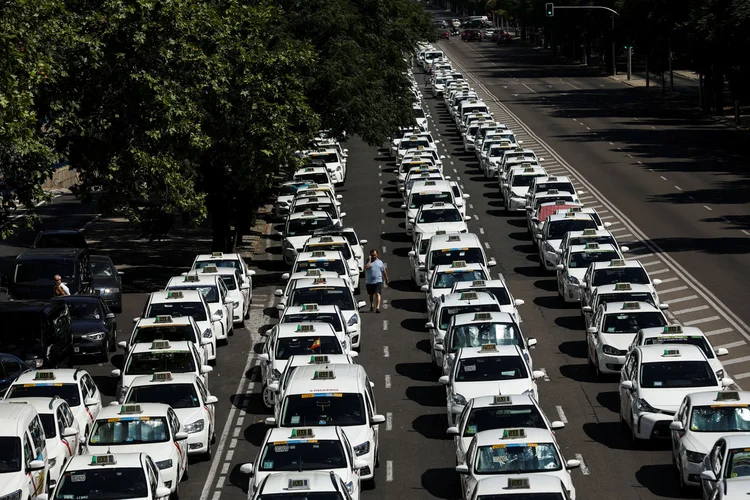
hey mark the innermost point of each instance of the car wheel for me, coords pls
(176, 494)
(186, 474)
(247, 313)
(268, 398)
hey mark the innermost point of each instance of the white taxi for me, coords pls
(418, 256)
(127, 476)
(551, 235)
(333, 162)
(74, 385)
(298, 228)
(290, 485)
(574, 263)
(316, 313)
(488, 369)
(237, 293)
(448, 248)
(172, 329)
(314, 174)
(512, 452)
(618, 292)
(143, 428)
(613, 330)
(424, 193)
(438, 216)
(484, 413)
(516, 185)
(539, 486)
(496, 287)
(726, 469)
(653, 382)
(445, 276)
(188, 396)
(332, 261)
(233, 260)
(339, 395)
(306, 449)
(599, 236)
(354, 242)
(311, 273)
(618, 271)
(321, 360)
(159, 356)
(702, 418)
(217, 297)
(332, 245)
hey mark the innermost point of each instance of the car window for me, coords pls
(28, 450)
(37, 435)
(60, 418)
(90, 385)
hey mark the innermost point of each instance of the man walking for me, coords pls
(374, 274)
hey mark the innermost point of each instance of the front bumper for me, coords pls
(85, 347)
(609, 363)
(549, 259)
(691, 472)
(198, 442)
(571, 293)
(653, 426)
(517, 204)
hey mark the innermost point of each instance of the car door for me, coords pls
(225, 304)
(593, 338)
(175, 427)
(461, 422)
(372, 410)
(269, 348)
(71, 443)
(626, 396)
(210, 407)
(681, 416)
(466, 481)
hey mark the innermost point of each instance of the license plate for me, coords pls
(76, 349)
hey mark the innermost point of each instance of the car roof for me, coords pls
(463, 298)
(613, 288)
(720, 398)
(322, 273)
(448, 268)
(656, 353)
(125, 460)
(62, 376)
(488, 283)
(174, 345)
(336, 240)
(672, 331)
(737, 441)
(327, 255)
(492, 317)
(553, 178)
(311, 282)
(284, 434)
(299, 328)
(199, 279)
(43, 406)
(220, 255)
(480, 352)
(633, 307)
(349, 379)
(451, 240)
(162, 296)
(568, 216)
(147, 409)
(604, 247)
(321, 308)
(515, 400)
(619, 263)
(175, 321)
(177, 378)
(14, 417)
(495, 436)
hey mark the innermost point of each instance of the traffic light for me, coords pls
(550, 8)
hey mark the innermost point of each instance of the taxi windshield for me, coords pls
(178, 309)
(448, 255)
(523, 180)
(325, 206)
(146, 363)
(229, 281)
(448, 278)
(108, 483)
(432, 216)
(558, 228)
(489, 368)
(613, 275)
(332, 319)
(414, 144)
(664, 375)
(314, 178)
(209, 292)
(517, 457)
(10, 454)
(419, 199)
(220, 263)
(606, 298)
(331, 247)
(175, 395)
(478, 334)
(580, 260)
(336, 266)
(306, 226)
(173, 333)
(738, 461)
(326, 157)
(299, 455)
(80, 309)
(313, 344)
(323, 295)
(603, 239)
(696, 340)
(631, 322)
(499, 292)
(290, 189)
(503, 417)
(563, 187)
(68, 392)
(730, 418)
(448, 312)
(129, 430)
(324, 409)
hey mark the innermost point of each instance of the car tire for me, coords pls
(176, 494)
(186, 474)
(266, 395)
(247, 313)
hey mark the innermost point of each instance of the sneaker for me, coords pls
(378, 311)
(372, 308)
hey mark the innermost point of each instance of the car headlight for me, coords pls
(52, 461)
(164, 464)
(608, 349)
(362, 449)
(720, 374)
(572, 280)
(643, 406)
(350, 487)
(458, 399)
(94, 336)
(694, 457)
(353, 320)
(36, 362)
(16, 495)
(107, 291)
(529, 392)
(549, 248)
(275, 374)
(192, 428)
(219, 314)
(207, 333)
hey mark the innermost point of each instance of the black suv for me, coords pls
(34, 270)
(40, 333)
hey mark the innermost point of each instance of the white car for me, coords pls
(424, 193)
(725, 473)
(602, 273)
(310, 484)
(217, 297)
(323, 361)
(438, 216)
(237, 292)
(574, 263)
(618, 292)
(702, 418)
(299, 227)
(552, 232)
(654, 381)
(190, 399)
(444, 276)
(310, 273)
(149, 428)
(284, 198)
(455, 247)
(514, 188)
(74, 385)
(613, 330)
(488, 369)
(159, 356)
(333, 162)
(331, 314)
(126, 476)
(515, 451)
(535, 486)
(351, 235)
(317, 202)
(335, 244)
(306, 449)
(327, 261)
(496, 287)
(171, 329)
(233, 260)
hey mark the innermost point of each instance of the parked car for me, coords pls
(107, 281)
(94, 325)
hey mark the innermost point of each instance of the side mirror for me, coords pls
(362, 242)
(537, 374)
(586, 309)
(123, 345)
(541, 159)
(273, 387)
(352, 354)
(136, 319)
(625, 249)
(114, 403)
(627, 385)
(425, 288)
(531, 342)
(557, 424)
(607, 225)
(183, 274)
(206, 369)
(115, 373)
(491, 263)
(656, 282)
(412, 253)
(538, 236)
(281, 233)
(35, 465)
(519, 302)
(592, 329)
(663, 306)
(339, 197)
(280, 306)
(462, 469)
(110, 316)
(69, 432)
(558, 251)
(708, 475)
(467, 218)
(342, 215)
(212, 400)
(429, 324)
(439, 348)
(181, 436)
(559, 267)
(466, 196)
(377, 419)
(580, 192)
(361, 304)
(161, 492)
(444, 380)
(271, 421)
(535, 219)
(721, 351)
(726, 382)
(676, 426)
(264, 357)
(520, 142)
(452, 431)
(91, 402)
(285, 277)
(403, 206)
(422, 267)
(572, 464)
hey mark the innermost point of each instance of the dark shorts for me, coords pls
(374, 288)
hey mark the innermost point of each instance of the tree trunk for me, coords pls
(719, 93)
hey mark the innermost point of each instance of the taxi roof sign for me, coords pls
(302, 433)
(175, 295)
(309, 307)
(299, 484)
(103, 460)
(160, 344)
(671, 353)
(575, 210)
(441, 231)
(318, 360)
(45, 375)
(217, 254)
(552, 178)
(130, 409)
(458, 263)
(438, 204)
(324, 375)
(518, 483)
(501, 400)
(313, 272)
(319, 253)
(514, 433)
(325, 239)
(488, 347)
(454, 237)
(479, 283)
(528, 169)
(307, 212)
(553, 191)
(589, 232)
(469, 296)
(629, 306)
(305, 328)
(163, 318)
(623, 286)
(482, 316)
(190, 278)
(161, 377)
(672, 329)
(320, 281)
(210, 269)
(561, 202)
(592, 246)
(617, 262)
(727, 396)
(570, 214)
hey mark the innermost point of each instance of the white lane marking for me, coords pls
(617, 229)
(386, 352)
(587, 197)
(225, 467)
(675, 289)
(546, 377)
(384, 249)
(668, 280)
(740, 376)
(220, 482)
(690, 310)
(639, 257)
(217, 495)
(652, 263)
(707, 207)
(236, 432)
(660, 271)
(682, 299)
(746, 232)
(678, 188)
(233, 444)
(481, 230)
(719, 331)
(584, 468)
(577, 88)
(389, 421)
(663, 178)
(532, 90)
(385, 325)
(701, 321)
(486, 245)
(561, 414)
(588, 128)
(732, 344)
(230, 455)
(476, 217)
(735, 360)
(389, 471)
(387, 381)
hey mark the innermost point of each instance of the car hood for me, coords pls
(577, 273)
(98, 282)
(297, 241)
(158, 451)
(12, 481)
(519, 192)
(476, 389)
(619, 341)
(84, 326)
(671, 399)
(554, 243)
(357, 434)
(702, 442)
(434, 227)
(188, 415)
